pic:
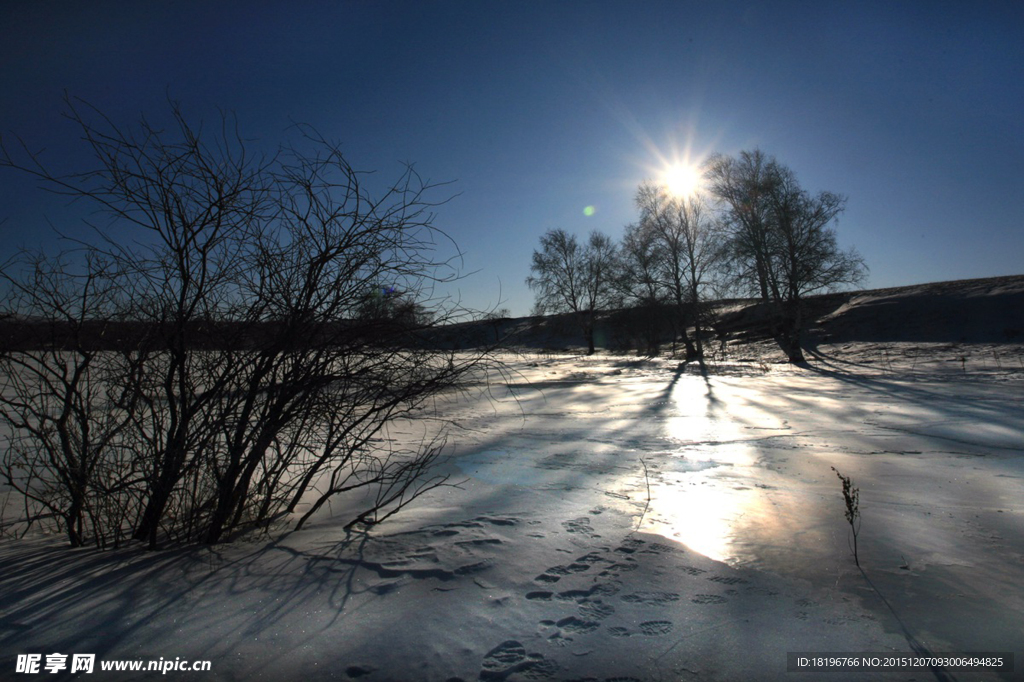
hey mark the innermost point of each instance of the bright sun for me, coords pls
(681, 179)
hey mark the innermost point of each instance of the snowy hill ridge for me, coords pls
(987, 310)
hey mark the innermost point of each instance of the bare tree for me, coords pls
(743, 185)
(569, 278)
(781, 244)
(641, 285)
(690, 243)
(247, 378)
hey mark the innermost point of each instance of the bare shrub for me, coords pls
(228, 359)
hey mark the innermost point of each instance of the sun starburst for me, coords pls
(680, 179)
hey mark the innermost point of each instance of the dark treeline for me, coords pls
(104, 335)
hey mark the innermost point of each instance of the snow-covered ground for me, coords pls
(618, 519)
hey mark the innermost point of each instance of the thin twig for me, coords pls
(646, 506)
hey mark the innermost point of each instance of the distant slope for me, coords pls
(987, 310)
(974, 310)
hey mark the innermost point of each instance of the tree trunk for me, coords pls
(171, 465)
(698, 330)
(794, 321)
(788, 338)
(691, 350)
(794, 351)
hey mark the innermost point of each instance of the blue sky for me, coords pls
(537, 110)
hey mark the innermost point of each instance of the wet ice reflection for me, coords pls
(702, 496)
(703, 510)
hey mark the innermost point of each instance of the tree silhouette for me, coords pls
(570, 278)
(781, 241)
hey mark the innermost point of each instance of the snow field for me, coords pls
(616, 519)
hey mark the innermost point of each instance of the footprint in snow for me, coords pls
(558, 639)
(690, 570)
(581, 526)
(629, 546)
(656, 628)
(539, 595)
(727, 580)
(509, 658)
(617, 569)
(577, 625)
(596, 610)
(555, 573)
(651, 598)
(598, 589)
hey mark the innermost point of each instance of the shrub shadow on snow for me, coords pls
(148, 605)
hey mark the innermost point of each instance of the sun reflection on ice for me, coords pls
(703, 493)
(699, 511)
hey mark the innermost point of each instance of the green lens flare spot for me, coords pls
(589, 211)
